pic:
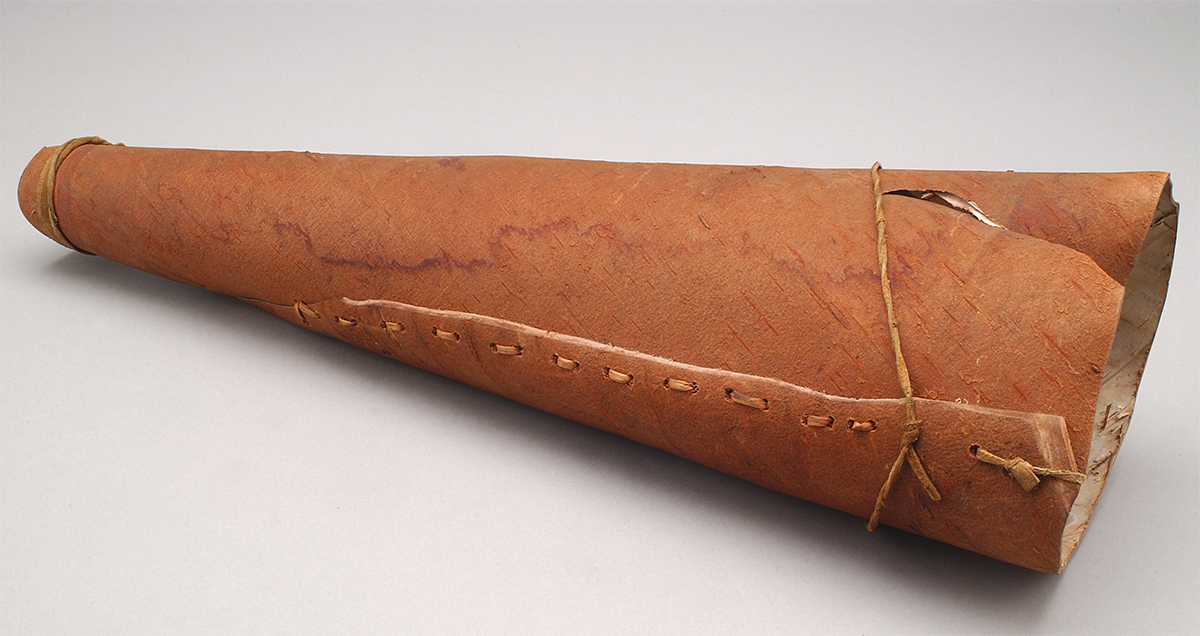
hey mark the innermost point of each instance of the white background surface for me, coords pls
(174, 461)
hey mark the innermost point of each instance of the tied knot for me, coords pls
(912, 432)
(1024, 473)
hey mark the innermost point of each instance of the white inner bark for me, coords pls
(1145, 293)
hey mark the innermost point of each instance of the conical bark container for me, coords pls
(728, 314)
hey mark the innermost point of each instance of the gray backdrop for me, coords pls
(174, 461)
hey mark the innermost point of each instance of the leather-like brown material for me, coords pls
(759, 286)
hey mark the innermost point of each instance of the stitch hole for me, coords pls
(746, 400)
(392, 327)
(617, 376)
(304, 312)
(683, 386)
(819, 421)
(506, 350)
(564, 363)
(448, 336)
(346, 322)
(862, 426)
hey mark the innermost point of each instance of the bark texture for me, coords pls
(757, 287)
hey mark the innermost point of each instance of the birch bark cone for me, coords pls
(728, 314)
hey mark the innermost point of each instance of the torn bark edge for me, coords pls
(950, 200)
(1141, 308)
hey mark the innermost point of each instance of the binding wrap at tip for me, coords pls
(43, 208)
